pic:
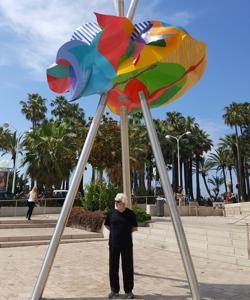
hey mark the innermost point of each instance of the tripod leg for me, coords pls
(68, 203)
(119, 4)
(179, 231)
(132, 8)
(125, 155)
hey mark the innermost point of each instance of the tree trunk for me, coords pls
(149, 176)
(190, 179)
(142, 179)
(93, 175)
(181, 177)
(231, 180)
(100, 175)
(135, 180)
(247, 182)
(239, 169)
(174, 172)
(206, 186)
(186, 177)
(244, 193)
(198, 189)
(81, 186)
(67, 184)
(224, 177)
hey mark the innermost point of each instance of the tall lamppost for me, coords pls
(178, 151)
(7, 125)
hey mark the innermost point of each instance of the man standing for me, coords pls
(121, 222)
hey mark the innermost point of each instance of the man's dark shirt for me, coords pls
(121, 225)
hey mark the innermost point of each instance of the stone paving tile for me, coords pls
(80, 272)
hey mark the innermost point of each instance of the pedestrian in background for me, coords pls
(31, 202)
(121, 222)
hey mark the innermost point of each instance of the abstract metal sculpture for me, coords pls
(133, 67)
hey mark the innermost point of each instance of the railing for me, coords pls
(58, 202)
(53, 202)
(145, 199)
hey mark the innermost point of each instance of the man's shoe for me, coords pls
(112, 295)
(130, 295)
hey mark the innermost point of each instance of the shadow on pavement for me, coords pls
(141, 297)
(208, 291)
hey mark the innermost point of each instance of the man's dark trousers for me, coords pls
(127, 268)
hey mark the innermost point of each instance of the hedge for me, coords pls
(84, 219)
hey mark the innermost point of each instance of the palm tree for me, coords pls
(3, 137)
(201, 143)
(66, 111)
(74, 117)
(228, 144)
(204, 167)
(216, 182)
(219, 159)
(50, 153)
(11, 145)
(34, 109)
(233, 117)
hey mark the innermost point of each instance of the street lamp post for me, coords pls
(7, 125)
(178, 152)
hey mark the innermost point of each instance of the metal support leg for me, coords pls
(132, 8)
(124, 133)
(125, 155)
(119, 7)
(179, 231)
(68, 203)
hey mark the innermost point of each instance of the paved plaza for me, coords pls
(80, 271)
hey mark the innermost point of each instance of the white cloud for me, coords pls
(33, 31)
(182, 18)
(215, 128)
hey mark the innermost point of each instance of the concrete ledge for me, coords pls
(187, 211)
(21, 211)
(242, 208)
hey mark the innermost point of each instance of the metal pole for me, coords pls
(179, 231)
(125, 155)
(14, 174)
(132, 8)
(179, 168)
(124, 135)
(61, 223)
(120, 5)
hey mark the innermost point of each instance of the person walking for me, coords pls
(31, 202)
(121, 222)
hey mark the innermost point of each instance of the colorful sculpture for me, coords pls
(121, 59)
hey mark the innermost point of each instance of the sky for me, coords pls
(31, 32)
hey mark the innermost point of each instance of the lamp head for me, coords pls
(167, 136)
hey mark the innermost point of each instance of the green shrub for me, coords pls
(141, 215)
(88, 220)
(99, 196)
